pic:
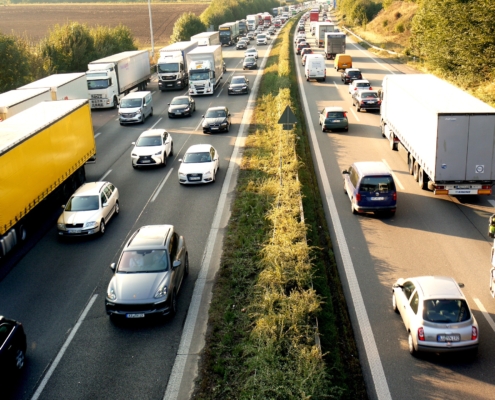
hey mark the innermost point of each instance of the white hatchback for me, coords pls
(199, 165)
(152, 148)
(359, 84)
(261, 39)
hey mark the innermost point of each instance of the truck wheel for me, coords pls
(393, 145)
(416, 171)
(115, 102)
(382, 125)
(410, 164)
(423, 179)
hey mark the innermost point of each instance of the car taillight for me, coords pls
(486, 186)
(345, 115)
(379, 102)
(474, 333)
(358, 197)
(371, 88)
(421, 334)
(394, 196)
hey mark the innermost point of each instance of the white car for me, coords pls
(261, 39)
(199, 165)
(89, 209)
(252, 52)
(436, 315)
(300, 35)
(359, 84)
(152, 148)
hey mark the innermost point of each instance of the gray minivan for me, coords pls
(370, 187)
(135, 107)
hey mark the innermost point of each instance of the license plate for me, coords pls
(377, 198)
(336, 120)
(371, 102)
(170, 84)
(448, 338)
(194, 178)
(178, 113)
(74, 231)
(214, 129)
(145, 161)
(134, 315)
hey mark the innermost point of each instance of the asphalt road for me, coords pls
(59, 287)
(429, 235)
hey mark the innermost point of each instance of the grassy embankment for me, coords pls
(278, 275)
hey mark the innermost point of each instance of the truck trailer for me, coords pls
(229, 33)
(207, 38)
(445, 135)
(205, 69)
(42, 155)
(69, 86)
(334, 44)
(15, 101)
(172, 68)
(321, 28)
(251, 22)
(314, 15)
(111, 78)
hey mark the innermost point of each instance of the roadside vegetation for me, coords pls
(278, 324)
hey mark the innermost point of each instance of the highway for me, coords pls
(57, 289)
(429, 235)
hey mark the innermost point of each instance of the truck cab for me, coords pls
(102, 86)
(172, 73)
(201, 78)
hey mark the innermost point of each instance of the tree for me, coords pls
(14, 62)
(108, 41)
(186, 26)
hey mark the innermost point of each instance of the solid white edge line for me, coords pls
(63, 349)
(175, 379)
(375, 364)
(485, 314)
(104, 176)
(393, 174)
(156, 123)
(157, 191)
(492, 202)
(98, 134)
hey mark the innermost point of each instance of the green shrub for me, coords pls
(399, 28)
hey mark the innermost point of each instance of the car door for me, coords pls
(106, 211)
(403, 298)
(166, 144)
(350, 180)
(110, 198)
(177, 273)
(214, 159)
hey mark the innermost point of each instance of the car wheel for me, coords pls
(102, 227)
(410, 164)
(164, 158)
(228, 128)
(20, 359)
(171, 153)
(133, 166)
(410, 345)
(323, 128)
(358, 109)
(117, 208)
(345, 190)
(422, 179)
(394, 303)
(346, 129)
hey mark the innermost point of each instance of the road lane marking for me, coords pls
(355, 115)
(492, 202)
(373, 58)
(61, 353)
(98, 134)
(485, 313)
(175, 379)
(156, 123)
(393, 174)
(106, 174)
(157, 191)
(371, 350)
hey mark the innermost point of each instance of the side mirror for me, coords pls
(202, 116)
(345, 172)
(133, 143)
(112, 266)
(63, 206)
(247, 80)
(180, 159)
(176, 264)
(105, 204)
(168, 103)
(228, 115)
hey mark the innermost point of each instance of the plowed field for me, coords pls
(34, 21)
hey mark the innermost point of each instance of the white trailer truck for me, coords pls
(252, 22)
(71, 86)
(172, 66)
(446, 135)
(205, 69)
(207, 38)
(15, 101)
(321, 28)
(334, 44)
(111, 78)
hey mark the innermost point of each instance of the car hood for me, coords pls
(129, 110)
(146, 150)
(237, 85)
(249, 62)
(137, 287)
(195, 168)
(175, 107)
(78, 217)
(213, 121)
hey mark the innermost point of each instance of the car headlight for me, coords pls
(138, 112)
(182, 175)
(162, 292)
(224, 123)
(158, 153)
(187, 109)
(134, 155)
(61, 227)
(111, 295)
(244, 87)
(179, 82)
(207, 174)
(205, 125)
(90, 224)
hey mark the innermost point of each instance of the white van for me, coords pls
(314, 67)
(135, 107)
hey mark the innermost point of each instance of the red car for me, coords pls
(301, 46)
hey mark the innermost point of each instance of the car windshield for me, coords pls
(238, 80)
(446, 311)
(377, 184)
(250, 51)
(215, 114)
(261, 36)
(130, 103)
(335, 114)
(149, 141)
(354, 73)
(362, 84)
(83, 203)
(142, 261)
(179, 101)
(249, 60)
(197, 157)
(369, 95)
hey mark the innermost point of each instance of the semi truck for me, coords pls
(321, 28)
(243, 29)
(205, 69)
(444, 134)
(207, 38)
(172, 68)
(15, 101)
(251, 22)
(229, 33)
(43, 151)
(69, 86)
(111, 78)
(334, 44)
(314, 15)
(267, 20)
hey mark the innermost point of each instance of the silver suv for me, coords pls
(149, 274)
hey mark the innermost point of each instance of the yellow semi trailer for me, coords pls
(43, 151)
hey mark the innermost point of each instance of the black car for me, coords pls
(350, 74)
(238, 85)
(216, 119)
(181, 106)
(249, 63)
(366, 100)
(12, 346)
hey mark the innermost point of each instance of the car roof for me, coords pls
(361, 92)
(180, 97)
(360, 81)
(90, 188)
(149, 237)
(152, 132)
(198, 148)
(217, 108)
(436, 287)
(239, 76)
(137, 95)
(327, 109)
(372, 168)
(352, 70)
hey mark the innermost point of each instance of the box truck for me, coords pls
(62, 86)
(229, 33)
(207, 38)
(42, 154)
(314, 67)
(172, 66)
(111, 78)
(15, 101)
(205, 69)
(334, 44)
(314, 15)
(321, 28)
(251, 22)
(446, 135)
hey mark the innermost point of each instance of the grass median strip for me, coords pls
(272, 288)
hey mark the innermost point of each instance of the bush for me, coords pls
(399, 28)
(397, 15)
(186, 26)
(385, 23)
(14, 62)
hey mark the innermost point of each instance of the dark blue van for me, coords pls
(370, 187)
